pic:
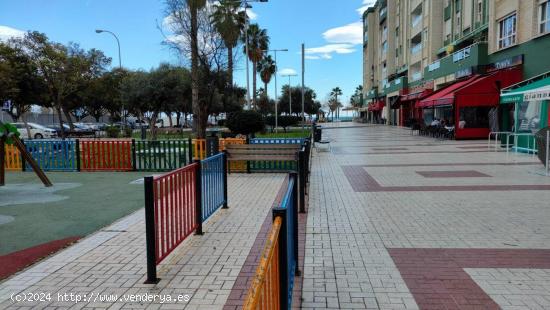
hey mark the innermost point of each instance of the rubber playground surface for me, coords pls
(36, 221)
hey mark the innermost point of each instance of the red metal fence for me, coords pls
(106, 155)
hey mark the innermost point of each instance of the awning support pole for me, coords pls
(547, 151)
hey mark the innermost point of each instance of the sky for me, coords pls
(331, 31)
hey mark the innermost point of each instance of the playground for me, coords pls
(35, 217)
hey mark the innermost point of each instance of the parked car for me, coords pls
(37, 131)
(78, 131)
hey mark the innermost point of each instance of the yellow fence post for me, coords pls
(13, 159)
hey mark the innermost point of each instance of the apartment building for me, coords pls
(426, 47)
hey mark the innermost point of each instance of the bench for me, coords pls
(263, 153)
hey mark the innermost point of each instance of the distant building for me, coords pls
(417, 51)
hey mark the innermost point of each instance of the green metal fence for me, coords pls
(165, 155)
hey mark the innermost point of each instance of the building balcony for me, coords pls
(371, 94)
(472, 56)
(396, 85)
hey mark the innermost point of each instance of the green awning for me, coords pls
(527, 89)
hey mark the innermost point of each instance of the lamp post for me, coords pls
(276, 90)
(290, 93)
(123, 118)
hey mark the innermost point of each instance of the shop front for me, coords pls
(528, 102)
(375, 111)
(470, 104)
(408, 112)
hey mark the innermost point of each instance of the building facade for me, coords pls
(414, 49)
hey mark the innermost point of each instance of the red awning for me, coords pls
(416, 96)
(476, 91)
(445, 96)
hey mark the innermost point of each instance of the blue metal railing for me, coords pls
(53, 155)
(288, 210)
(277, 141)
(212, 174)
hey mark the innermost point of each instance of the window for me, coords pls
(474, 117)
(507, 31)
(529, 118)
(384, 47)
(479, 15)
(544, 17)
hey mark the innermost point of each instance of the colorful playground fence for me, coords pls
(214, 185)
(53, 155)
(13, 160)
(264, 291)
(273, 290)
(177, 203)
(106, 155)
(164, 155)
(134, 155)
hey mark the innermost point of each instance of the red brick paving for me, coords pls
(13, 262)
(437, 279)
(453, 174)
(361, 181)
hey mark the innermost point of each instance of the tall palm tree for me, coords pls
(335, 93)
(266, 69)
(258, 42)
(229, 20)
(194, 7)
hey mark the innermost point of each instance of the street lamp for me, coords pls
(246, 5)
(119, 66)
(276, 90)
(289, 92)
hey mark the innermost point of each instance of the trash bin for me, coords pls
(212, 145)
(317, 134)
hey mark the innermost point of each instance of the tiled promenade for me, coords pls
(112, 261)
(394, 222)
(405, 222)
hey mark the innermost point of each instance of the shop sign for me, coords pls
(542, 94)
(505, 63)
(434, 66)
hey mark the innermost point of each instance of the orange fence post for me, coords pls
(12, 158)
(264, 292)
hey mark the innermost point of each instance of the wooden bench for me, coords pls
(263, 152)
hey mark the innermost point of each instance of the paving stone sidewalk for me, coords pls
(201, 272)
(398, 221)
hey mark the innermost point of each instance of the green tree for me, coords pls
(311, 105)
(229, 22)
(356, 100)
(64, 69)
(258, 42)
(266, 69)
(19, 79)
(334, 94)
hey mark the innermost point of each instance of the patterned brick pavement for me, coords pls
(381, 235)
(112, 261)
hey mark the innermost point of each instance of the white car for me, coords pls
(37, 131)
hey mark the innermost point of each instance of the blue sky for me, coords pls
(331, 31)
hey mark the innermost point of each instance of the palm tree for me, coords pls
(335, 93)
(266, 69)
(229, 20)
(194, 7)
(258, 42)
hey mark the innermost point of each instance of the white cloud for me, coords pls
(366, 4)
(8, 32)
(251, 14)
(326, 51)
(350, 33)
(288, 71)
